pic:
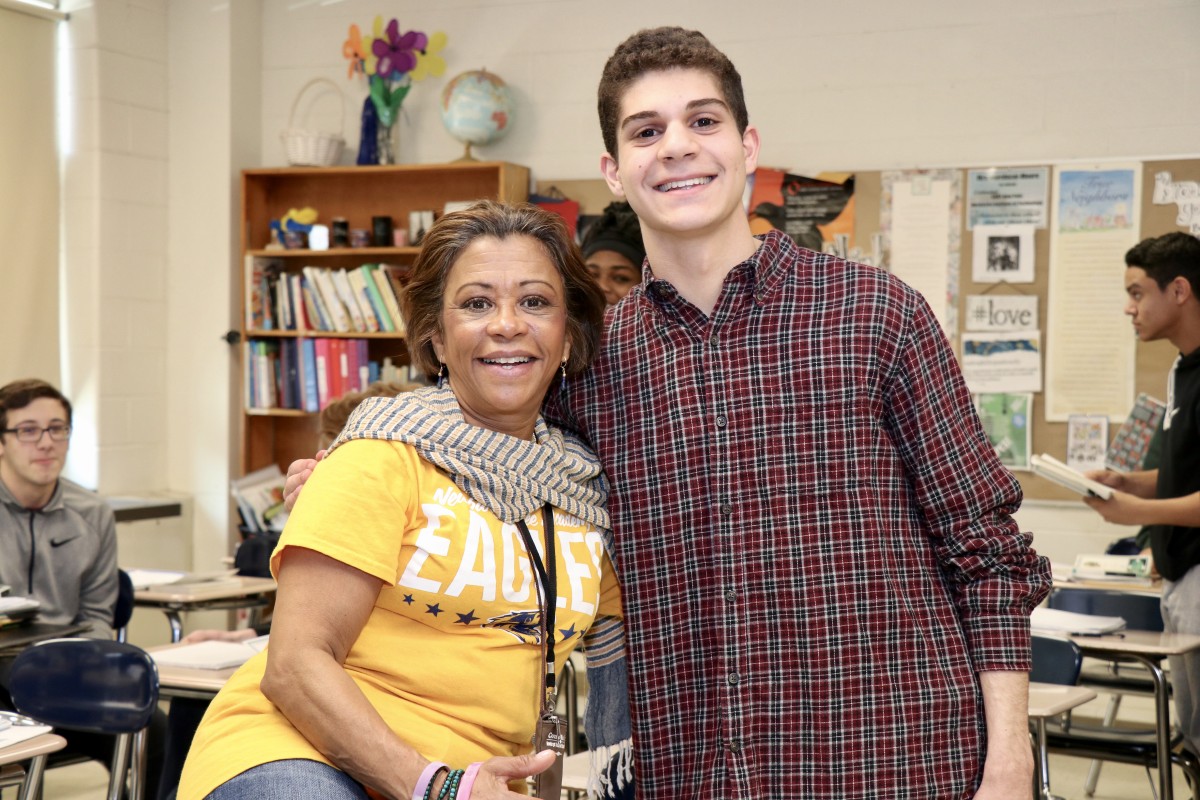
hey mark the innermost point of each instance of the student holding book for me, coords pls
(1162, 281)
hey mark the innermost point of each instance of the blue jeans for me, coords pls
(292, 778)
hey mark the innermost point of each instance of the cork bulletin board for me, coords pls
(1153, 359)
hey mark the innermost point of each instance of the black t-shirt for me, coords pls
(1176, 548)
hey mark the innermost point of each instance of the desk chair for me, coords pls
(1054, 661)
(1058, 661)
(123, 611)
(92, 685)
(1141, 612)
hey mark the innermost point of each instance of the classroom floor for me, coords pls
(89, 781)
(1117, 781)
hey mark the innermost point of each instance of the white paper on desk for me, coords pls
(13, 605)
(1053, 620)
(149, 578)
(206, 655)
(18, 728)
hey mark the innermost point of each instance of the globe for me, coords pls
(476, 109)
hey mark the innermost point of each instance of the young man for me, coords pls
(1162, 278)
(58, 541)
(825, 594)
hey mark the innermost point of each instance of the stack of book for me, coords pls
(358, 300)
(305, 374)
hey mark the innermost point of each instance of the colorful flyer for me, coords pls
(1005, 418)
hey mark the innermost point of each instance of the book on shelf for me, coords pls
(394, 277)
(310, 402)
(345, 292)
(366, 275)
(1128, 448)
(322, 361)
(260, 273)
(1056, 471)
(358, 286)
(335, 312)
(314, 308)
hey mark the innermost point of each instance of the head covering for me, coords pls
(616, 230)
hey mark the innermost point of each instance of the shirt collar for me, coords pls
(55, 502)
(759, 274)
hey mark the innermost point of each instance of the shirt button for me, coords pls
(712, 340)
(734, 746)
(733, 679)
(726, 509)
(722, 421)
(731, 595)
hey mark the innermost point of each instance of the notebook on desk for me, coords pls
(210, 654)
(153, 578)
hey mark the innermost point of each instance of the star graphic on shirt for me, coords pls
(467, 618)
(434, 609)
(408, 598)
(567, 633)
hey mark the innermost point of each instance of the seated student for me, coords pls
(186, 712)
(379, 559)
(613, 251)
(58, 541)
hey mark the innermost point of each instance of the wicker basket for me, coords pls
(308, 148)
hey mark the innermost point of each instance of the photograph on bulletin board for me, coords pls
(812, 211)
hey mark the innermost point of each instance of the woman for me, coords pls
(407, 630)
(613, 251)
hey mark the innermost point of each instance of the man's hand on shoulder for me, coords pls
(297, 474)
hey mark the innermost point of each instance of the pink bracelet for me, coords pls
(468, 780)
(427, 774)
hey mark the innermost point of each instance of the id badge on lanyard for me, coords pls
(551, 730)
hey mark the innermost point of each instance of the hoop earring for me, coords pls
(441, 376)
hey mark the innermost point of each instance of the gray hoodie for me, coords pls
(63, 555)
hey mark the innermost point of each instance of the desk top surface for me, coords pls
(15, 637)
(1049, 699)
(225, 589)
(37, 746)
(1153, 587)
(190, 678)
(1145, 643)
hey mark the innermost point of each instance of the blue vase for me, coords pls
(368, 142)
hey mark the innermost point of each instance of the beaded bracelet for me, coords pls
(449, 789)
(421, 790)
(468, 781)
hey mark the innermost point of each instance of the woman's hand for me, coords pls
(240, 635)
(495, 774)
(298, 472)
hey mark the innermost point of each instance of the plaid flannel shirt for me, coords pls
(813, 536)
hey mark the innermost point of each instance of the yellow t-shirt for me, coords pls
(455, 619)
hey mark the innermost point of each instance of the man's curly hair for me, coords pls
(657, 49)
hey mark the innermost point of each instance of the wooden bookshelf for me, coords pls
(281, 435)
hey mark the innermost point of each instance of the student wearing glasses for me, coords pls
(58, 541)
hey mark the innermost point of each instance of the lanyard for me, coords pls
(547, 594)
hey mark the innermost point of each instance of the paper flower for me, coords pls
(391, 61)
